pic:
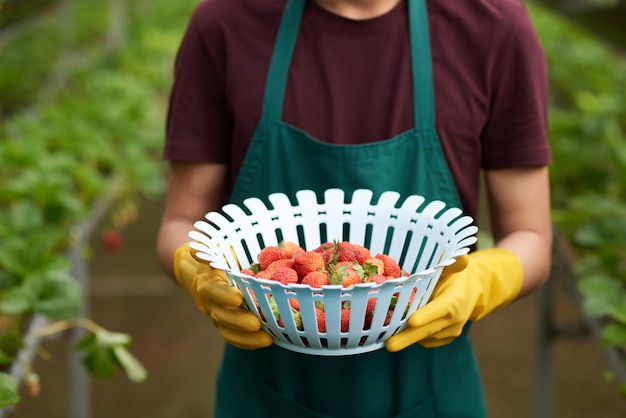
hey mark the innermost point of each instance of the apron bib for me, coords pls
(415, 382)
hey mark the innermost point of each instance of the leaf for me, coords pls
(618, 313)
(96, 358)
(57, 295)
(86, 343)
(16, 300)
(588, 235)
(5, 359)
(614, 335)
(602, 294)
(134, 369)
(105, 352)
(99, 363)
(8, 390)
(108, 339)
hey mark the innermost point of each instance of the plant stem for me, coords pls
(64, 325)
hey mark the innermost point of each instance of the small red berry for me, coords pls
(113, 241)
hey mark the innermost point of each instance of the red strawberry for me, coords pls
(392, 268)
(308, 261)
(345, 319)
(283, 262)
(346, 252)
(294, 303)
(351, 279)
(377, 278)
(320, 315)
(263, 274)
(290, 249)
(327, 250)
(316, 279)
(268, 255)
(325, 247)
(285, 275)
(113, 240)
(247, 272)
(363, 253)
(369, 313)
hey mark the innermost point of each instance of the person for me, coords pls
(416, 96)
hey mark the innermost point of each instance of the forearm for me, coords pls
(193, 189)
(519, 203)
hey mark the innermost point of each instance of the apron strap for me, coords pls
(281, 58)
(423, 96)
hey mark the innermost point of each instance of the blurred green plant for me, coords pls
(64, 147)
(587, 126)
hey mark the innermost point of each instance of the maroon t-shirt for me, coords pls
(350, 82)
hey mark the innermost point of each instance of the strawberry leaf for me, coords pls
(134, 370)
(8, 390)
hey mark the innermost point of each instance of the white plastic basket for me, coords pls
(423, 237)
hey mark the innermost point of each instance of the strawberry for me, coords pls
(345, 251)
(113, 240)
(285, 275)
(294, 303)
(392, 268)
(320, 315)
(369, 313)
(316, 279)
(247, 272)
(351, 279)
(327, 250)
(268, 255)
(283, 262)
(307, 262)
(377, 278)
(362, 253)
(290, 249)
(345, 319)
(263, 274)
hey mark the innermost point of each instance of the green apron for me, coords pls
(416, 382)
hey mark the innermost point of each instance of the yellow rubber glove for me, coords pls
(468, 290)
(216, 297)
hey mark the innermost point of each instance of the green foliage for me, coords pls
(106, 351)
(587, 126)
(8, 387)
(61, 150)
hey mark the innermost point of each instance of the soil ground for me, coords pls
(178, 346)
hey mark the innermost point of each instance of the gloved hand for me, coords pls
(468, 290)
(216, 297)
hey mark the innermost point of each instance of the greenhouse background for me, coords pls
(83, 91)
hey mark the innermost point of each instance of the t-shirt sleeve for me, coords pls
(516, 131)
(198, 125)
